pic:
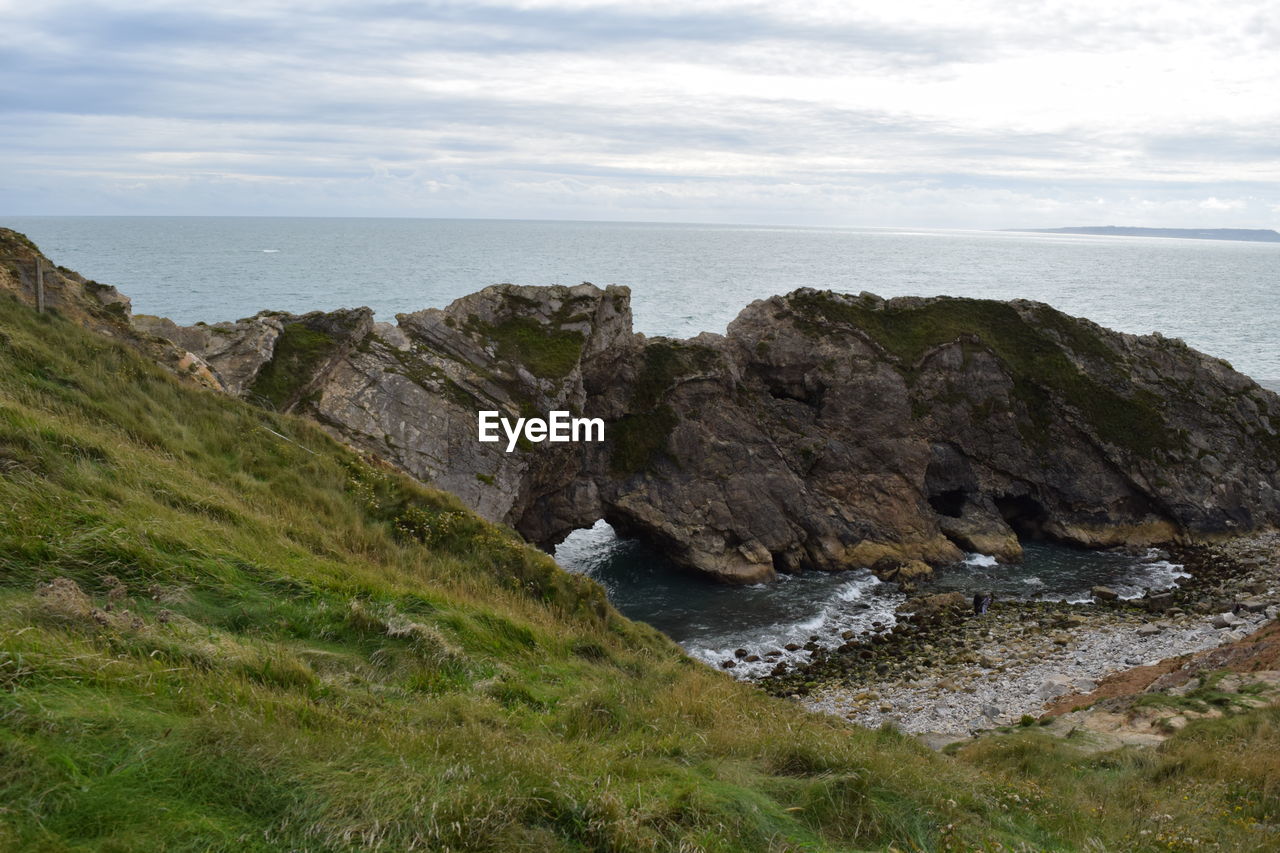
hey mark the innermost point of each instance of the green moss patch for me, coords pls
(639, 439)
(1035, 354)
(299, 353)
(547, 351)
(666, 362)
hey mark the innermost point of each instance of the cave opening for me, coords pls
(949, 503)
(1024, 515)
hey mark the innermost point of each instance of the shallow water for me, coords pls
(711, 620)
(1050, 572)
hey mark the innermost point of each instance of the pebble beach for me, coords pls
(967, 673)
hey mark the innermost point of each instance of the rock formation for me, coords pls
(823, 431)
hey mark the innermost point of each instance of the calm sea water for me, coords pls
(1222, 298)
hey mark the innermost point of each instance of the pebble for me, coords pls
(1227, 620)
(1017, 660)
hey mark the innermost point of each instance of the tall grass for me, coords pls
(221, 630)
(1216, 785)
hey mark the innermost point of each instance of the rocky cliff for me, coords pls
(823, 431)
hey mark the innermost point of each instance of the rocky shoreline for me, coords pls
(946, 673)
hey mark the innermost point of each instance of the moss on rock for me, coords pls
(1037, 355)
(299, 351)
(548, 352)
(638, 439)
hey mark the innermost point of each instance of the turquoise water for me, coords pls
(1220, 297)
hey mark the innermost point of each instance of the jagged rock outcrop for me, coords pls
(821, 431)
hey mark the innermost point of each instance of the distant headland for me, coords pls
(1253, 235)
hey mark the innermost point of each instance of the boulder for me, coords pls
(1054, 686)
(979, 528)
(1104, 593)
(1227, 620)
(928, 608)
(901, 571)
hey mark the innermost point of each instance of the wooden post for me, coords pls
(39, 285)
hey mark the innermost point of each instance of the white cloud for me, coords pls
(943, 113)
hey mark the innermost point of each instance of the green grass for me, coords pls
(1203, 698)
(216, 638)
(1214, 785)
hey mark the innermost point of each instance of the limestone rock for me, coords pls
(1104, 593)
(1054, 686)
(929, 607)
(817, 434)
(1227, 620)
(899, 571)
(822, 431)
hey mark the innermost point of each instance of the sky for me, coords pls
(961, 113)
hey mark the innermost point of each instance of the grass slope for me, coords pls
(220, 630)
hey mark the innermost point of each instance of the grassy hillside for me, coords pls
(221, 630)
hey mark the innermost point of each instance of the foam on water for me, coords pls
(713, 620)
(871, 602)
(1059, 573)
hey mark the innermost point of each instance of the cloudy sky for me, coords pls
(955, 113)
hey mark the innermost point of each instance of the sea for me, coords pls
(1222, 298)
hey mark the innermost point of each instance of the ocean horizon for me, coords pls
(685, 278)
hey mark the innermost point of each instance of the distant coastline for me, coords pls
(1251, 235)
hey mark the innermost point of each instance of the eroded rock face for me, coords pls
(823, 431)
